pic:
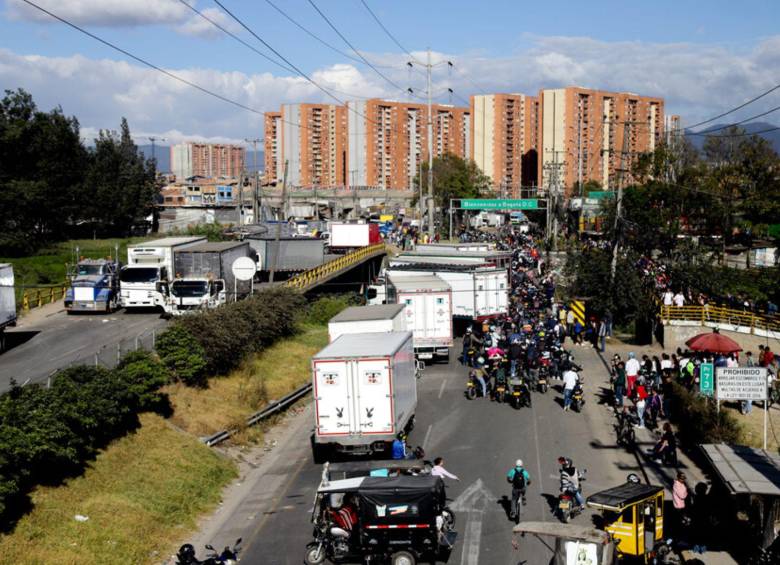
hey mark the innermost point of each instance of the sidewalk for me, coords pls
(655, 472)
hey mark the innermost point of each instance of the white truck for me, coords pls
(345, 235)
(466, 246)
(478, 292)
(365, 393)
(367, 319)
(143, 283)
(7, 300)
(427, 302)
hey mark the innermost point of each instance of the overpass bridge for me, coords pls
(349, 270)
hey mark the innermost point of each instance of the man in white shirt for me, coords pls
(439, 470)
(570, 379)
(632, 371)
(679, 299)
(668, 297)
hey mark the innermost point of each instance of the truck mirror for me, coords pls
(162, 288)
(371, 293)
(219, 286)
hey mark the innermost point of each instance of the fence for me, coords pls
(725, 318)
(314, 276)
(107, 356)
(38, 296)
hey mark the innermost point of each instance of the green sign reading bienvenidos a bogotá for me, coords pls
(499, 204)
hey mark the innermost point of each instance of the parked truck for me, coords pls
(7, 300)
(143, 282)
(427, 302)
(204, 277)
(365, 393)
(94, 286)
(295, 253)
(368, 319)
(344, 236)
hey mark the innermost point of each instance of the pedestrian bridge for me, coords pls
(311, 279)
(723, 318)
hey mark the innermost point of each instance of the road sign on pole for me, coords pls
(499, 204)
(707, 379)
(744, 384)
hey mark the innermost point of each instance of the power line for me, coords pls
(744, 134)
(761, 115)
(320, 40)
(390, 35)
(144, 61)
(737, 108)
(341, 35)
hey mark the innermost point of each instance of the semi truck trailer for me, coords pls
(367, 319)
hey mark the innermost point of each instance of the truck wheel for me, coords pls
(403, 558)
(314, 554)
(320, 453)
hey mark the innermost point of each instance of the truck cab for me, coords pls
(94, 286)
(144, 286)
(191, 294)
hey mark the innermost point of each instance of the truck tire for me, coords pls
(320, 453)
(403, 558)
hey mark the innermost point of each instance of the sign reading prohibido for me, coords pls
(743, 383)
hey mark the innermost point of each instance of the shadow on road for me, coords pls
(17, 338)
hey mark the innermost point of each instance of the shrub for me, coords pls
(143, 374)
(698, 420)
(182, 355)
(323, 309)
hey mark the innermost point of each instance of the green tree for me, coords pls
(121, 185)
(144, 374)
(184, 357)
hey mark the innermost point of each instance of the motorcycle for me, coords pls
(567, 508)
(473, 388)
(520, 395)
(624, 428)
(229, 555)
(499, 390)
(541, 381)
(578, 397)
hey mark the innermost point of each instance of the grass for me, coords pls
(752, 426)
(142, 495)
(269, 375)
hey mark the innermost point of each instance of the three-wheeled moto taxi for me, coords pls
(398, 520)
(572, 544)
(633, 513)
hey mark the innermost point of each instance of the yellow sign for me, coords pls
(578, 309)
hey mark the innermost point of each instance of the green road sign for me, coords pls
(601, 194)
(499, 204)
(706, 379)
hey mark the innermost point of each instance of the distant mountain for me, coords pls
(163, 154)
(772, 137)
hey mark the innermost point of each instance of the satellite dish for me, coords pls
(244, 269)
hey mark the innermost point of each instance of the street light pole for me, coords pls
(431, 225)
(255, 206)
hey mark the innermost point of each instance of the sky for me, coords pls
(703, 58)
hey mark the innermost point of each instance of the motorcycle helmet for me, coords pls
(481, 360)
(186, 553)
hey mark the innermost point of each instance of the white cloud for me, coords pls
(102, 12)
(200, 27)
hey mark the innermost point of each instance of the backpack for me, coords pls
(518, 479)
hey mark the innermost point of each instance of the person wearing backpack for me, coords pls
(519, 479)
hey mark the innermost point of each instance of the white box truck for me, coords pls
(478, 292)
(427, 302)
(367, 319)
(143, 283)
(346, 235)
(365, 393)
(7, 300)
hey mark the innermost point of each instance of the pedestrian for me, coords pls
(641, 402)
(679, 498)
(679, 299)
(570, 379)
(438, 470)
(608, 322)
(603, 335)
(619, 383)
(632, 372)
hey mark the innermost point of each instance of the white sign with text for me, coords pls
(742, 383)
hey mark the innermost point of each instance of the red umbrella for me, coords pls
(713, 342)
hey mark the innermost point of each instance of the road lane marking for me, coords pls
(427, 435)
(474, 500)
(538, 461)
(441, 389)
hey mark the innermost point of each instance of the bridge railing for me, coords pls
(722, 317)
(312, 277)
(38, 296)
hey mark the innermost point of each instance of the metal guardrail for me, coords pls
(38, 296)
(314, 276)
(712, 314)
(273, 408)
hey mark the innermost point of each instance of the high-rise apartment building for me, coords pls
(582, 131)
(312, 139)
(388, 140)
(504, 139)
(207, 160)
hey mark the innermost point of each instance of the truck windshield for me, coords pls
(140, 275)
(184, 289)
(89, 269)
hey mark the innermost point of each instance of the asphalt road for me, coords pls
(58, 340)
(480, 441)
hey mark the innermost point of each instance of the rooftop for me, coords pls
(363, 313)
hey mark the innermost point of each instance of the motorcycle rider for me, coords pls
(570, 380)
(519, 478)
(399, 448)
(481, 375)
(570, 480)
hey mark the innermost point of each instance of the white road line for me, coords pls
(441, 390)
(538, 462)
(472, 539)
(427, 435)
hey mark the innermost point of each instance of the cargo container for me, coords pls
(427, 302)
(343, 235)
(296, 253)
(204, 276)
(365, 393)
(469, 246)
(144, 281)
(367, 319)
(491, 257)
(7, 300)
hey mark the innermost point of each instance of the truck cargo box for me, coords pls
(210, 260)
(296, 253)
(365, 391)
(367, 319)
(344, 235)
(7, 296)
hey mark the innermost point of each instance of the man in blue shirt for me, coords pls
(520, 479)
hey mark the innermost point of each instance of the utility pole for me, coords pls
(240, 203)
(256, 203)
(431, 225)
(619, 201)
(275, 262)
(553, 194)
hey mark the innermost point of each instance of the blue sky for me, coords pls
(702, 60)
